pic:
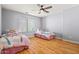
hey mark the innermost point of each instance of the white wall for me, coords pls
(13, 19)
(71, 23)
(65, 23)
(53, 23)
(0, 19)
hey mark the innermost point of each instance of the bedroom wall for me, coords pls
(13, 19)
(53, 23)
(65, 24)
(71, 24)
(0, 19)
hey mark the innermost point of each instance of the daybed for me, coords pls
(45, 35)
(13, 43)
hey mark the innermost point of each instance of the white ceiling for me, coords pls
(33, 9)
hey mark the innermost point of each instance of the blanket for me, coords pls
(6, 41)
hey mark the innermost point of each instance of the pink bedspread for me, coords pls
(47, 37)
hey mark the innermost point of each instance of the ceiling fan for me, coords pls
(43, 8)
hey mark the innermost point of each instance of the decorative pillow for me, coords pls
(38, 31)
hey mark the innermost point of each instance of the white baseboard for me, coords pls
(71, 41)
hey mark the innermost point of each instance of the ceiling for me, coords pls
(33, 9)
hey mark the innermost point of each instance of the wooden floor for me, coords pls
(56, 46)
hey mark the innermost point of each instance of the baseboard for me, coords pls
(69, 40)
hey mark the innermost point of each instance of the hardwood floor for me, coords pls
(55, 46)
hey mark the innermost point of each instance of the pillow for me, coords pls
(38, 31)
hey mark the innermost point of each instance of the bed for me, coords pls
(13, 43)
(44, 35)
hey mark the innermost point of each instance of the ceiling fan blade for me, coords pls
(48, 7)
(46, 11)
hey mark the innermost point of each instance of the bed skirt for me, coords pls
(13, 50)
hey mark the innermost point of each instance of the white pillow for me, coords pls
(38, 31)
